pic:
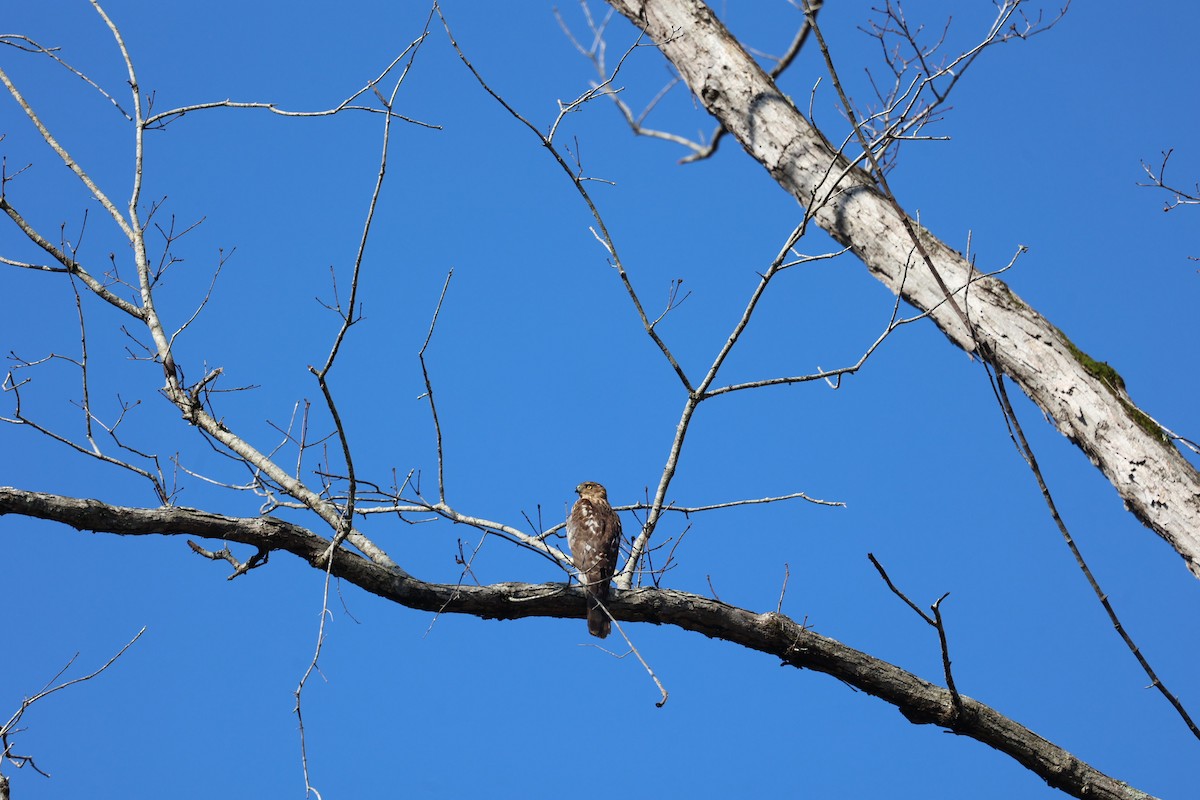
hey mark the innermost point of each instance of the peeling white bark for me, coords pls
(1157, 484)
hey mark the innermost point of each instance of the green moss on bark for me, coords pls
(1104, 372)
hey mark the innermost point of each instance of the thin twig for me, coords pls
(1158, 180)
(348, 314)
(9, 728)
(955, 700)
(787, 573)
(636, 654)
(883, 574)
(936, 622)
(466, 569)
(602, 234)
(167, 117)
(308, 672)
(878, 173)
(437, 426)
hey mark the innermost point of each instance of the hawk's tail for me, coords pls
(599, 625)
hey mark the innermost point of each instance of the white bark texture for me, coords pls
(1157, 484)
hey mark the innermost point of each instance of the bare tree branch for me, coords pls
(1158, 180)
(935, 622)
(771, 633)
(1162, 487)
(595, 53)
(9, 729)
(191, 400)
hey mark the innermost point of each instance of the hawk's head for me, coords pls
(590, 490)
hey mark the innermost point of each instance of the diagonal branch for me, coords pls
(601, 231)
(1026, 451)
(69, 263)
(774, 634)
(1080, 394)
(9, 728)
(66, 157)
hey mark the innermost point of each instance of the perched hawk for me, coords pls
(594, 534)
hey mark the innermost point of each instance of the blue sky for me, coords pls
(544, 379)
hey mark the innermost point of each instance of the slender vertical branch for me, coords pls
(348, 313)
(437, 425)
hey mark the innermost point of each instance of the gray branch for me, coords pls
(921, 702)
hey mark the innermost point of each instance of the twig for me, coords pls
(787, 573)
(904, 108)
(636, 654)
(834, 376)
(348, 314)
(878, 172)
(955, 700)
(466, 568)
(69, 264)
(936, 622)
(225, 554)
(595, 53)
(167, 117)
(10, 384)
(309, 670)
(9, 728)
(1158, 181)
(601, 232)
(437, 426)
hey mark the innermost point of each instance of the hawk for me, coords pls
(594, 534)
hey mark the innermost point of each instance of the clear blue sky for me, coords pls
(544, 379)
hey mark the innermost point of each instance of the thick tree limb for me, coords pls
(1085, 398)
(920, 702)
